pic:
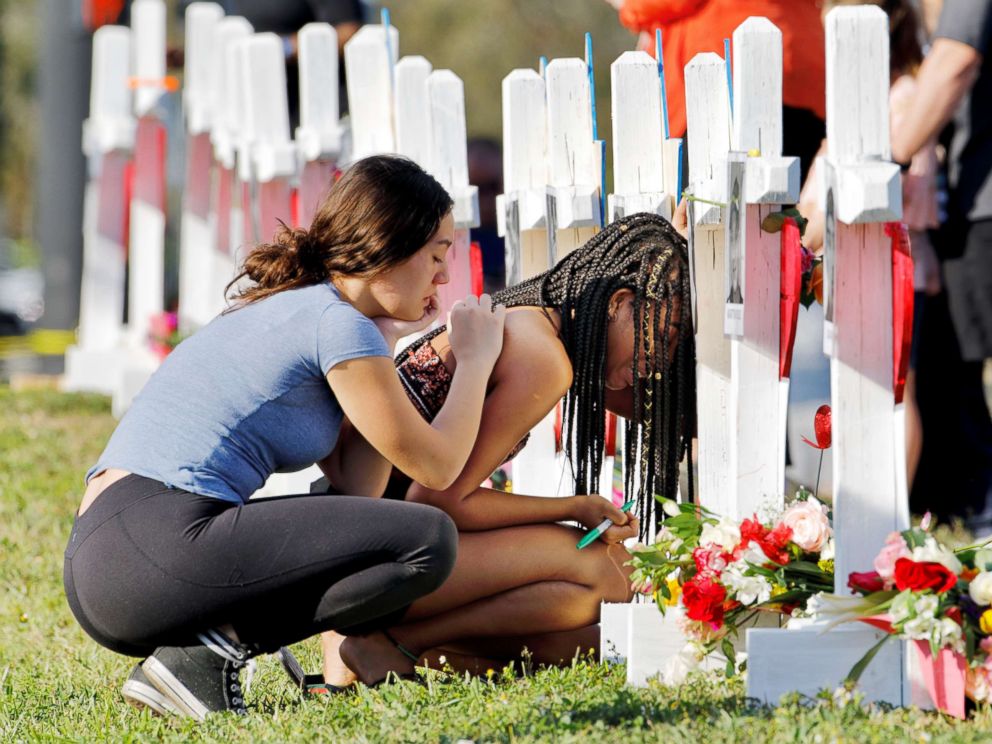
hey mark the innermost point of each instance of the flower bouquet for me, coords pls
(939, 598)
(723, 573)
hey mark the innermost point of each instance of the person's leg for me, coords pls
(157, 567)
(520, 581)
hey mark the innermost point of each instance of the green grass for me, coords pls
(58, 685)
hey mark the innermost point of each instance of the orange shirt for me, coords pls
(689, 27)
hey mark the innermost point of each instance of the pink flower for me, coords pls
(710, 560)
(809, 524)
(885, 562)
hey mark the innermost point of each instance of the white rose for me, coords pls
(980, 588)
(920, 627)
(932, 552)
(679, 666)
(725, 534)
(745, 589)
(809, 523)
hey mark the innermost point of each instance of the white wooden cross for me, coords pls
(741, 400)
(146, 251)
(652, 640)
(319, 136)
(861, 192)
(94, 362)
(759, 399)
(199, 300)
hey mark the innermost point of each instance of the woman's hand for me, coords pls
(475, 330)
(393, 329)
(592, 509)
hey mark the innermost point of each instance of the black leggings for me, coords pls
(150, 566)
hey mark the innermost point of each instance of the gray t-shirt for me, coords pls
(970, 156)
(245, 396)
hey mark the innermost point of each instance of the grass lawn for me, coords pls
(58, 685)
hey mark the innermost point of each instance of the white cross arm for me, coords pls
(368, 59)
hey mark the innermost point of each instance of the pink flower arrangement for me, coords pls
(722, 573)
(941, 599)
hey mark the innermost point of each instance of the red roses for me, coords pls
(703, 599)
(919, 577)
(865, 581)
(773, 542)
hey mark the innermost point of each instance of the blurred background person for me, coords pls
(689, 27)
(954, 90)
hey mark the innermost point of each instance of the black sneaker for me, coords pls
(200, 679)
(141, 693)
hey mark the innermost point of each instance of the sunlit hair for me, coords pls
(380, 212)
(645, 254)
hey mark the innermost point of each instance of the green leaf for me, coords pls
(858, 669)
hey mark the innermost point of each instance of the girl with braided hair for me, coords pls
(609, 329)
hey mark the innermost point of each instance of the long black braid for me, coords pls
(645, 254)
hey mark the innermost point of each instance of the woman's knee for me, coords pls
(435, 558)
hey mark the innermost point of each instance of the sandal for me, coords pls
(309, 684)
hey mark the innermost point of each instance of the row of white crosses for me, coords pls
(860, 191)
(124, 127)
(737, 176)
(242, 164)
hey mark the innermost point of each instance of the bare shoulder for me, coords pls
(533, 352)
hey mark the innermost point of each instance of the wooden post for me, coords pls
(368, 60)
(271, 152)
(638, 141)
(413, 109)
(759, 397)
(449, 165)
(197, 303)
(94, 362)
(708, 121)
(225, 135)
(147, 243)
(574, 160)
(146, 252)
(862, 192)
(319, 135)
(520, 209)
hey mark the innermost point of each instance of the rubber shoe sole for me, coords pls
(142, 695)
(174, 691)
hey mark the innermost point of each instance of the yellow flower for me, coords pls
(985, 622)
(826, 565)
(778, 589)
(675, 589)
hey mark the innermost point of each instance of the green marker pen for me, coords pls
(593, 535)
